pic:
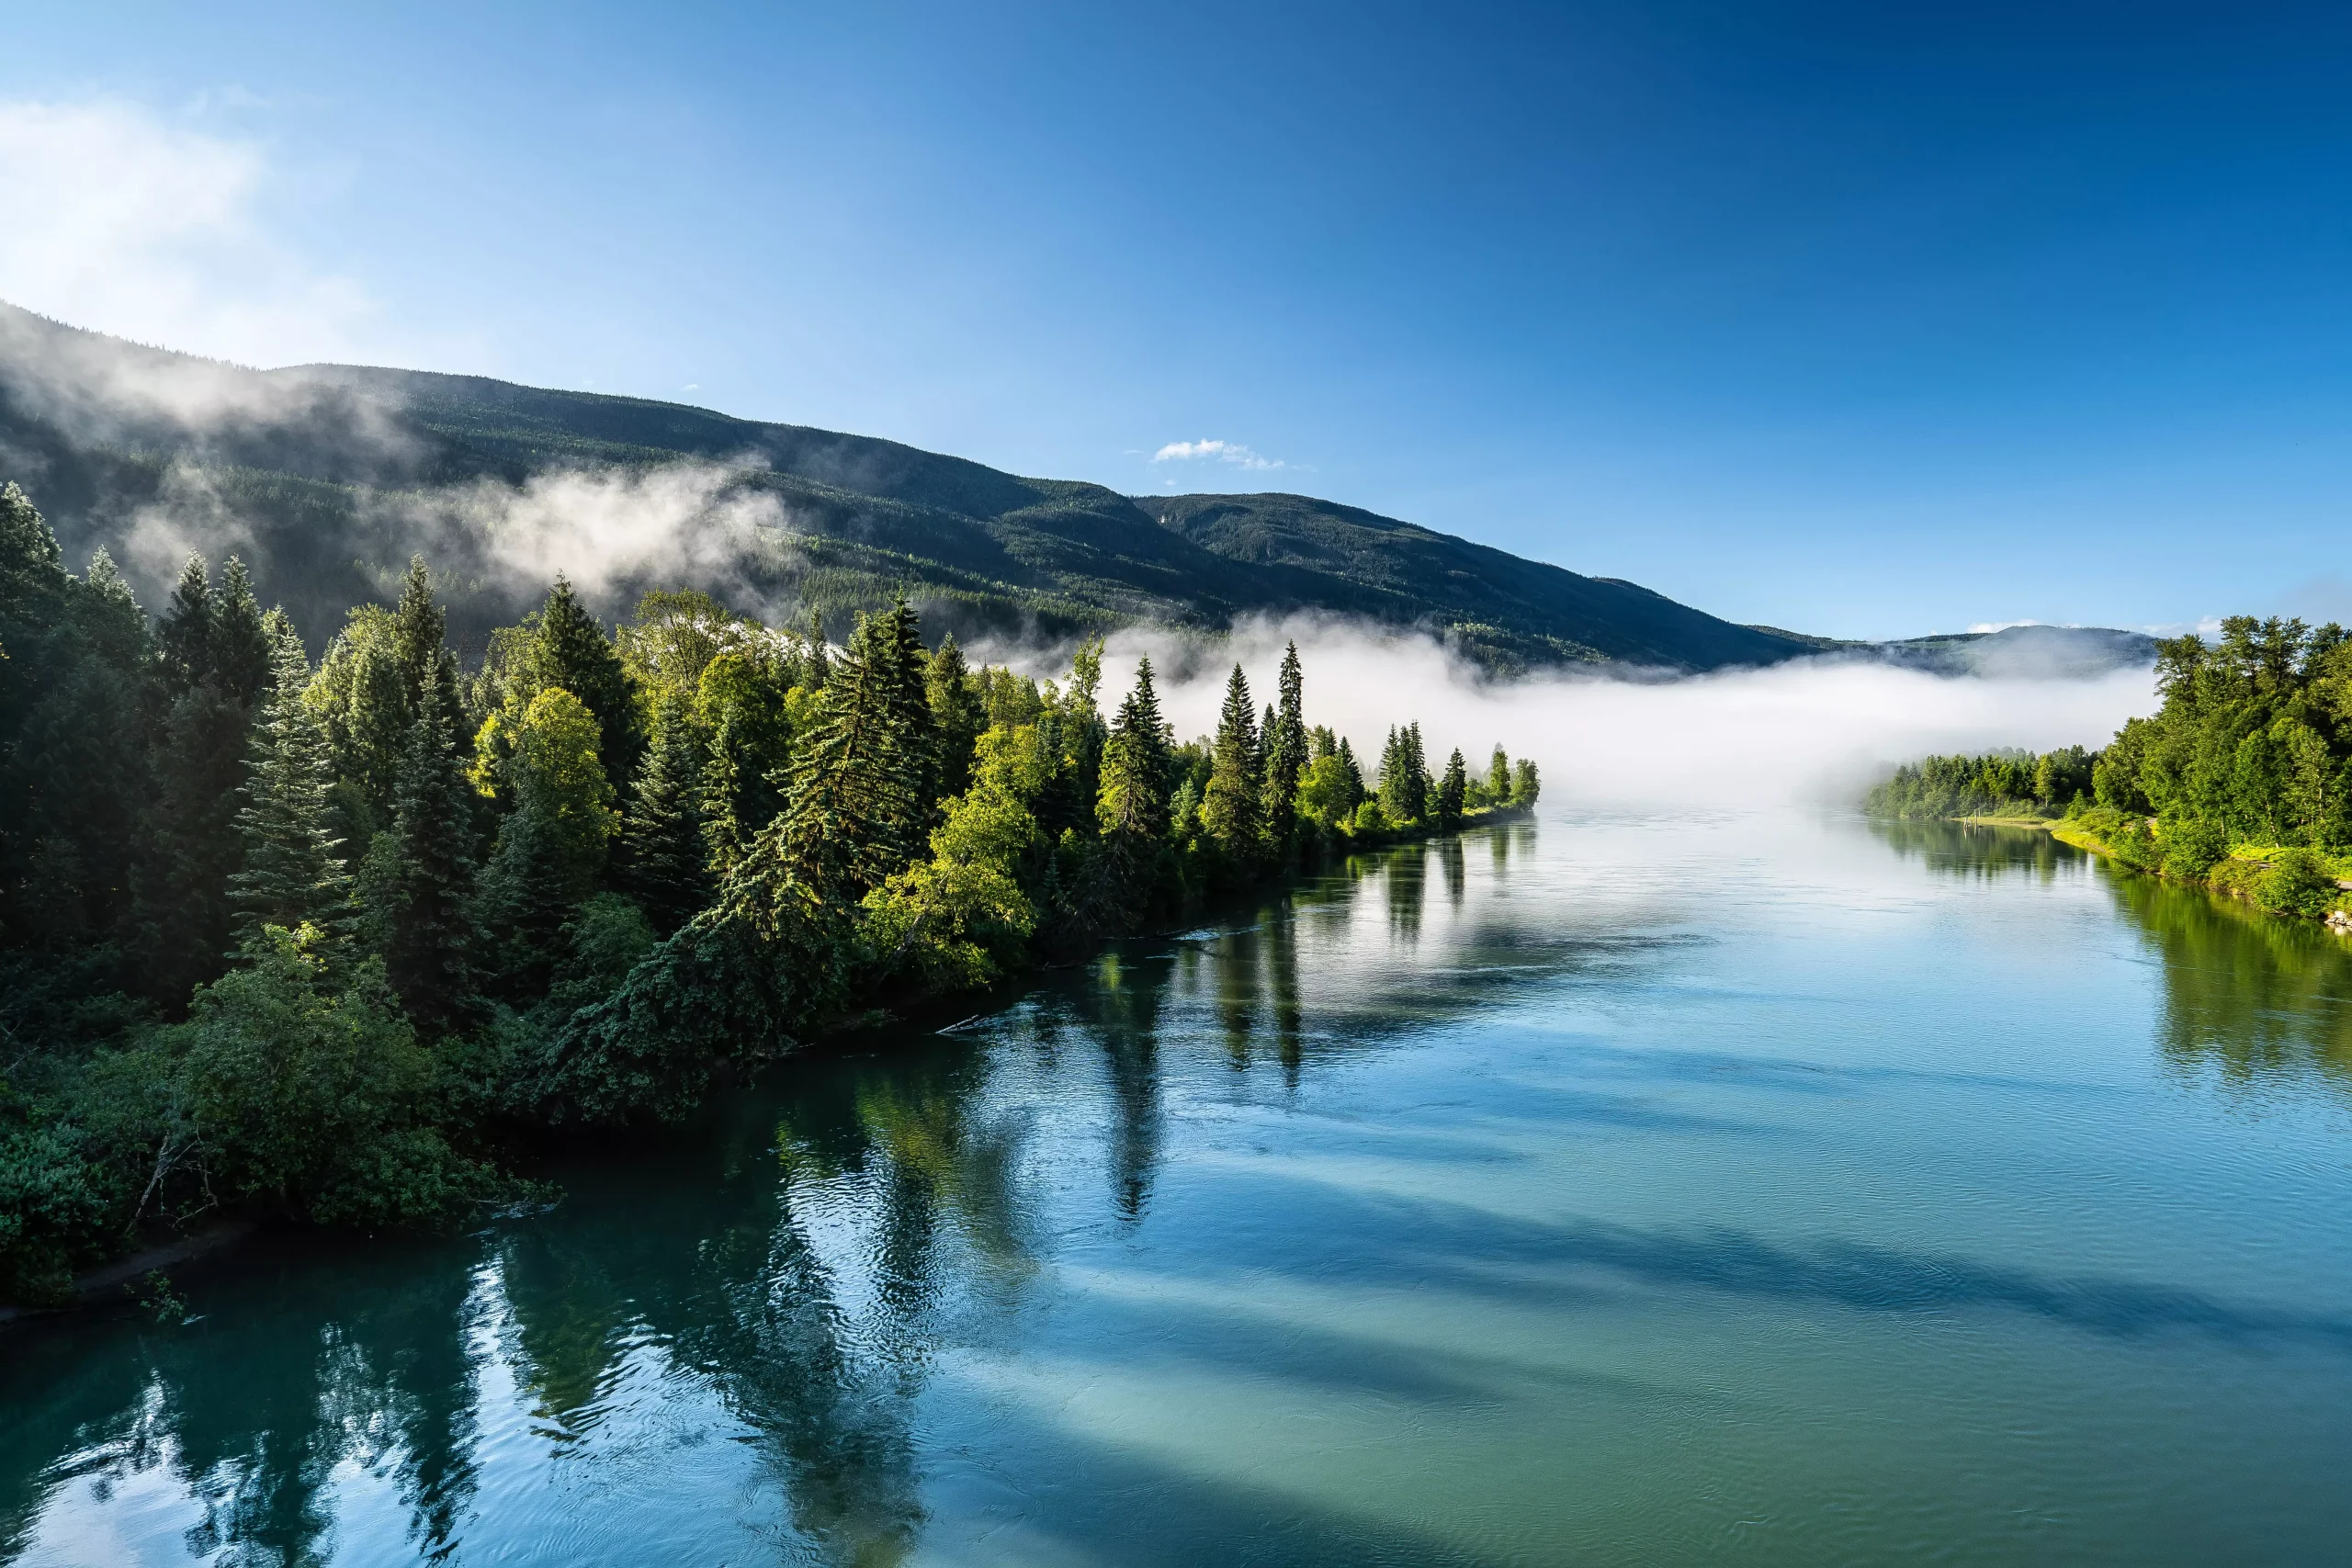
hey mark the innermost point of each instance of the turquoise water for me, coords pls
(1751, 1190)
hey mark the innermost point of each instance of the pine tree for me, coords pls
(429, 947)
(1451, 791)
(1229, 806)
(1346, 753)
(1132, 808)
(1498, 778)
(240, 653)
(1286, 749)
(185, 628)
(740, 705)
(955, 715)
(291, 872)
(857, 811)
(551, 848)
(420, 635)
(662, 840)
(570, 649)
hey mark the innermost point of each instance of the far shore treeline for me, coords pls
(2241, 779)
(339, 943)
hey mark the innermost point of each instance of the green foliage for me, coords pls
(811, 828)
(286, 1089)
(1997, 784)
(429, 933)
(1230, 806)
(662, 840)
(1526, 783)
(1451, 792)
(292, 876)
(2193, 847)
(2298, 883)
(1404, 776)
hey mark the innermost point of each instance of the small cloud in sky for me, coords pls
(1232, 451)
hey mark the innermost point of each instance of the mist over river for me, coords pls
(1733, 1188)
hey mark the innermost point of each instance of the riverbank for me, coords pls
(2289, 881)
(130, 1277)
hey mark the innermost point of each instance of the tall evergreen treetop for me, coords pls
(955, 715)
(420, 632)
(1452, 790)
(857, 811)
(239, 652)
(185, 628)
(428, 953)
(292, 872)
(1286, 747)
(570, 649)
(1230, 806)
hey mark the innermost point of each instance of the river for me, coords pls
(1745, 1189)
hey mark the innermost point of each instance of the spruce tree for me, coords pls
(420, 635)
(662, 854)
(1286, 747)
(857, 811)
(291, 873)
(1451, 791)
(1498, 778)
(185, 628)
(820, 666)
(240, 653)
(1132, 808)
(570, 649)
(1229, 806)
(955, 715)
(430, 939)
(740, 705)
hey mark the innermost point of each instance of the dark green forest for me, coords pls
(343, 943)
(2241, 780)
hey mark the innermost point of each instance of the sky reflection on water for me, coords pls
(1771, 1189)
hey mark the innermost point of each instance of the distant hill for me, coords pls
(326, 477)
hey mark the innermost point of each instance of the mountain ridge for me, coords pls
(327, 476)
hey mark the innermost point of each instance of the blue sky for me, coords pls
(1860, 320)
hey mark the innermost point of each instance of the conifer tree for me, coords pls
(955, 715)
(185, 628)
(240, 654)
(292, 872)
(740, 705)
(1132, 808)
(1499, 777)
(429, 950)
(570, 649)
(1346, 753)
(185, 914)
(1229, 806)
(1451, 791)
(857, 811)
(551, 848)
(420, 635)
(661, 839)
(1286, 748)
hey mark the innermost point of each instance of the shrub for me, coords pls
(2297, 883)
(2193, 847)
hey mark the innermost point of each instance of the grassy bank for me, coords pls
(2287, 880)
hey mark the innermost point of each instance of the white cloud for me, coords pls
(133, 224)
(1232, 451)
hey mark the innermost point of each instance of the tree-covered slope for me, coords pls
(329, 475)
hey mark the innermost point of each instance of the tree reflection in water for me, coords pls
(800, 1256)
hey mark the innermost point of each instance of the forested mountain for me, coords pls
(326, 478)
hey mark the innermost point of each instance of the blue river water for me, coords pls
(1752, 1189)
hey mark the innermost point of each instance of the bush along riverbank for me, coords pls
(2241, 781)
(342, 944)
